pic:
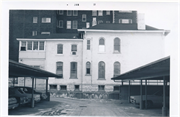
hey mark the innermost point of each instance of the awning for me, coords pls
(22, 70)
(152, 71)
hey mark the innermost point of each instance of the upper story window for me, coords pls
(101, 70)
(75, 13)
(59, 69)
(73, 49)
(31, 45)
(60, 24)
(83, 17)
(69, 13)
(35, 19)
(88, 68)
(60, 12)
(116, 45)
(46, 20)
(125, 21)
(107, 12)
(87, 24)
(75, 25)
(94, 13)
(68, 24)
(100, 13)
(100, 21)
(34, 33)
(73, 70)
(59, 49)
(101, 45)
(94, 22)
(88, 44)
(116, 69)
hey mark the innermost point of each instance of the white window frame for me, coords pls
(94, 13)
(68, 25)
(69, 13)
(75, 24)
(46, 20)
(84, 17)
(100, 13)
(60, 12)
(26, 46)
(76, 13)
(35, 19)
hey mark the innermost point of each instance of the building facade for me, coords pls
(89, 63)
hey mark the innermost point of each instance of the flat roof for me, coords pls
(153, 71)
(17, 69)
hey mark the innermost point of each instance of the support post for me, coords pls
(24, 81)
(129, 91)
(145, 94)
(13, 81)
(48, 94)
(32, 100)
(164, 108)
(141, 99)
(35, 83)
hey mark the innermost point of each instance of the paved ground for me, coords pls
(84, 107)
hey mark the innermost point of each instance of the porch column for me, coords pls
(164, 108)
(32, 100)
(129, 91)
(35, 83)
(141, 99)
(145, 94)
(24, 81)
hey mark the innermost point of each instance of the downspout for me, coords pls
(82, 63)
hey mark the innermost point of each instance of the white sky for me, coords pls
(160, 15)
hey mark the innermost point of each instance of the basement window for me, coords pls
(101, 87)
(53, 87)
(63, 87)
(116, 88)
(76, 87)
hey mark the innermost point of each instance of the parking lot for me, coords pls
(84, 107)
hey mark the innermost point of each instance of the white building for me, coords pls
(88, 64)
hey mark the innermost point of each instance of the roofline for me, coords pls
(19, 39)
(146, 65)
(165, 32)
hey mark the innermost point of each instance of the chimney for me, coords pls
(141, 22)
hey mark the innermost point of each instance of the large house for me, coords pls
(87, 60)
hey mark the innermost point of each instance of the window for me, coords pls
(59, 69)
(60, 24)
(83, 17)
(75, 13)
(101, 45)
(100, 13)
(87, 25)
(45, 33)
(53, 86)
(94, 21)
(101, 87)
(29, 45)
(88, 44)
(75, 24)
(59, 49)
(60, 12)
(116, 69)
(34, 33)
(68, 24)
(69, 13)
(107, 12)
(23, 46)
(63, 87)
(76, 87)
(117, 45)
(15, 80)
(88, 68)
(46, 20)
(101, 70)
(35, 45)
(94, 13)
(73, 69)
(116, 88)
(41, 45)
(73, 49)
(125, 21)
(35, 19)
(100, 21)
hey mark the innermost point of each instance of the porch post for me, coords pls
(129, 91)
(32, 101)
(24, 81)
(164, 108)
(145, 94)
(141, 99)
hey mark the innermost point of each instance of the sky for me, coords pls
(162, 15)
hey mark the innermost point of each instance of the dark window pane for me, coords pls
(60, 49)
(101, 41)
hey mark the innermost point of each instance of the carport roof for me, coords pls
(152, 71)
(22, 70)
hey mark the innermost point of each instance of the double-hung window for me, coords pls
(75, 25)
(69, 13)
(59, 49)
(88, 44)
(94, 13)
(41, 45)
(35, 19)
(101, 45)
(34, 33)
(107, 12)
(100, 13)
(117, 45)
(88, 68)
(68, 24)
(75, 13)
(73, 49)
(116, 69)
(35, 45)
(46, 20)
(29, 45)
(59, 69)
(73, 70)
(23, 46)
(83, 17)
(101, 70)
